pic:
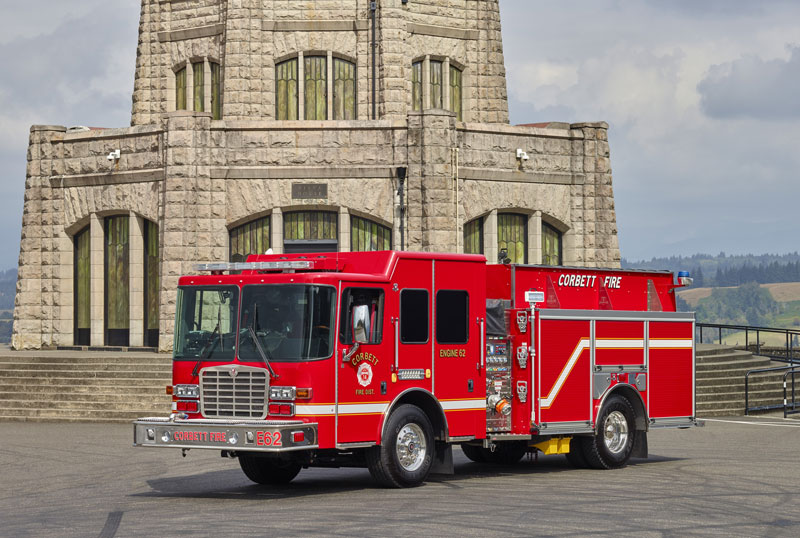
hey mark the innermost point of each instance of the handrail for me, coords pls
(789, 370)
(790, 352)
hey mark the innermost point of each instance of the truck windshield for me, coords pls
(293, 322)
(206, 322)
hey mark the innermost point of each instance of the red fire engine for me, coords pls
(387, 359)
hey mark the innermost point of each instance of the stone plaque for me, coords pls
(303, 191)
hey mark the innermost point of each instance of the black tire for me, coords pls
(612, 445)
(576, 456)
(269, 471)
(405, 456)
(507, 452)
(475, 453)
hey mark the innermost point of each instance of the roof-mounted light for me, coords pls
(684, 279)
(255, 266)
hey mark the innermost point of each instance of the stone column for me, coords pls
(426, 83)
(276, 231)
(97, 280)
(490, 236)
(301, 86)
(535, 237)
(344, 230)
(136, 275)
(446, 84)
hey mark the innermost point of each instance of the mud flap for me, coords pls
(640, 445)
(443, 459)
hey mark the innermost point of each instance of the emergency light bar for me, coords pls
(254, 266)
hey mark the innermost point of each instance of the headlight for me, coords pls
(187, 391)
(281, 393)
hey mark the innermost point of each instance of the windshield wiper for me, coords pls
(264, 354)
(206, 351)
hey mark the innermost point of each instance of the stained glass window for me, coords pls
(436, 85)
(316, 95)
(551, 245)
(416, 86)
(82, 301)
(286, 90)
(512, 235)
(180, 89)
(250, 238)
(366, 235)
(198, 71)
(455, 92)
(473, 237)
(216, 91)
(344, 90)
(151, 283)
(117, 280)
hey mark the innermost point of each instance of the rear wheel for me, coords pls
(611, 447)
(507, 452)
(475, 453)
(268, 470)
(405, 455)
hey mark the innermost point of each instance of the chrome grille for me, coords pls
(234, 391)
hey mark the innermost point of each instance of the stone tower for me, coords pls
(297, 125)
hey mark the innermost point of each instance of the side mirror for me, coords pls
(361, 328)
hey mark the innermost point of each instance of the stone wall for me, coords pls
(249, 37)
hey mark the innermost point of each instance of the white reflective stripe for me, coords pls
(455, 405)
(604, 343)
(358, 409)
(683, 343)
(582, 345)
(326, 409)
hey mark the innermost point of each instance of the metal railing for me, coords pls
(789, 352)
(788, 370)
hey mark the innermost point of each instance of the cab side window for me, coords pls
(452, 317)
(414, 316)
(352, 297)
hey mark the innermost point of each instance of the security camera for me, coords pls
(113, 156)
(522, 155)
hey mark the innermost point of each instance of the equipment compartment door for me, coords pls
(564, 370)
(671, 363)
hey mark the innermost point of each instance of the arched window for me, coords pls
(180, 89)
(344, 90)
(473, 237)
(310, 231)
(316, 97)
(455, 92)
(250, 238)
(551, 245)
(368, 235)
(286, 89)
(512, 235)
(117, 280)
(216, 91)
(151, 284)
(81, 288)
(198, 89)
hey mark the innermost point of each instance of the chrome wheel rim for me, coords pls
(615, 432)
(410, 447)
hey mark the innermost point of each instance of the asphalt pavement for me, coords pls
(734, 477)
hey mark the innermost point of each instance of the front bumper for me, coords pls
(231, 435)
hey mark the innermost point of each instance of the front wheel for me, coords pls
(405, 456)
(611, 447)
(269, 471)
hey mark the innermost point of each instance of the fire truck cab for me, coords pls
(387, 359)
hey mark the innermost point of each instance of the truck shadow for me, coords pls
(231, 484)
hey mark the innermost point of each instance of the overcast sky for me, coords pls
(702, 98)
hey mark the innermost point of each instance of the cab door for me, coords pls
(363, 373)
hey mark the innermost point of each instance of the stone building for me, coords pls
(316, 125)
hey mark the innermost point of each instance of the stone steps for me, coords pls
(89, 386)
(719, 381)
